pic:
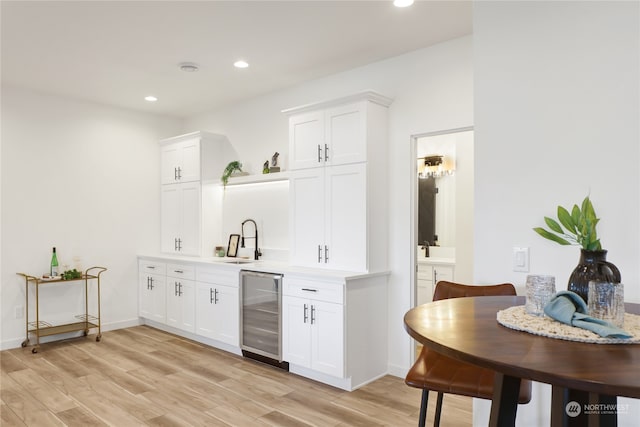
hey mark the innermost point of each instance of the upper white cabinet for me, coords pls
(191, 199)
(339, 183)
(336, 132)
(180, 161)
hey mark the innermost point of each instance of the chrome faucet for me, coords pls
(256, 252)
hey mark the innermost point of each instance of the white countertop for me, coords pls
(436, 260)
(266, 266)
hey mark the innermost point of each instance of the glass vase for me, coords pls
(593, 265)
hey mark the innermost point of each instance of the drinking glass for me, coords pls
(606, 302)
(540, 289)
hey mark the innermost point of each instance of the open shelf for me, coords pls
(256, 179)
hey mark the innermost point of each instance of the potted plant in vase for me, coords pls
(579, 228)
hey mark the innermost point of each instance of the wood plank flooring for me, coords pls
(145, 377)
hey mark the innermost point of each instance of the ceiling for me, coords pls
(117, 52)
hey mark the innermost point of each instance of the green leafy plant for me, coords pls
(71, 274)
(575, 228)
(231, 168)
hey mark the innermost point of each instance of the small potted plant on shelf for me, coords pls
(232, 167)
(579, 228)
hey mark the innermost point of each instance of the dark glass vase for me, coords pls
(593, 265)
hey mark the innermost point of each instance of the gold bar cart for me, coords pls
(85, 323)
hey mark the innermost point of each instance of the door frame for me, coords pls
(413, 185)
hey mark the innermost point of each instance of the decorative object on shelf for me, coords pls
(580, 229)
(265, 167)
(71, 274)
(274, 163)
(232, 167)
(219, 251)
(232, 249)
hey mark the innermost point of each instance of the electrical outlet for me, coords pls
(19, 313)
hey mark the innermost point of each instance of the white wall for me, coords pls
(557, 109)
(432, 91)
(85, 179)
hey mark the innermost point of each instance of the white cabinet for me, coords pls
(338, 184)
(328, 217)
(312, 329)
(190, 169)
(180, 218)
(181, 297)
(152, 295)
(334, 136)
(180, 161)
(428, 276)
(218, 305)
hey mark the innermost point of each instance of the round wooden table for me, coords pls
(466, 329)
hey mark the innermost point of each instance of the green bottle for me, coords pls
(54, 263)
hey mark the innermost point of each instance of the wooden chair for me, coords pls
(442, 374)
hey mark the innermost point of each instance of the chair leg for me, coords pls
(436, 420)
(423, 408)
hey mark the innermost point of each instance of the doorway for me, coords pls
(442, 183)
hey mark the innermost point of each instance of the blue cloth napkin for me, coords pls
(569, 308)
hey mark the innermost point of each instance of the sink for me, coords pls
(231, 260)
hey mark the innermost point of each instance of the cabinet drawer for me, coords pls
(187, 272)
(152, 267)
(425, 272)
(313, 290)
(218, 276)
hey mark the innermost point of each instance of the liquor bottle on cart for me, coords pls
(54, 263)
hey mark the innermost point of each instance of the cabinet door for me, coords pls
(226, 315)
(190, 227)
(170, 160)
(152, 297)
(306, 140)
(170, 201)
(345, 134)
(181, 304)
(190, 162)
(306, 216)
(180, 162)
(346, 217)
(180, 218)
(442, 272)
(327, 338)
(296, 334)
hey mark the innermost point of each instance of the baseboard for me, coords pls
(397, 370)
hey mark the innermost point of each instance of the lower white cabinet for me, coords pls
(152, 286)
(313, 334)
(181, 297)
(428, 276)
(217, 312)
(218, 304)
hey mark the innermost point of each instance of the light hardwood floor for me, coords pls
(143, 376)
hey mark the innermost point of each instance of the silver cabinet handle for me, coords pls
(326, 153)
(175, 174)
(179, 173)
(178, 271)
(326, 254)
(151, 267)
(305, 316)
(211, 298)
(150, 283)
(319, 154)
(179, 289)
(313, 312)
(309, 290)
(175, 289)
(319, 254)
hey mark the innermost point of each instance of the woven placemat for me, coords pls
(517, 318)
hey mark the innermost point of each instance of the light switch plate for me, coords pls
(521, 259)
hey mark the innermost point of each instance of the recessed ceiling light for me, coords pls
(402, 3)
(188, 67)
(241, 64)
(150, 98)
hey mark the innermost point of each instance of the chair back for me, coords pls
(446, 290)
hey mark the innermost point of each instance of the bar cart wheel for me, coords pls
(25, 343)
(34, 350)
(99, 338)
